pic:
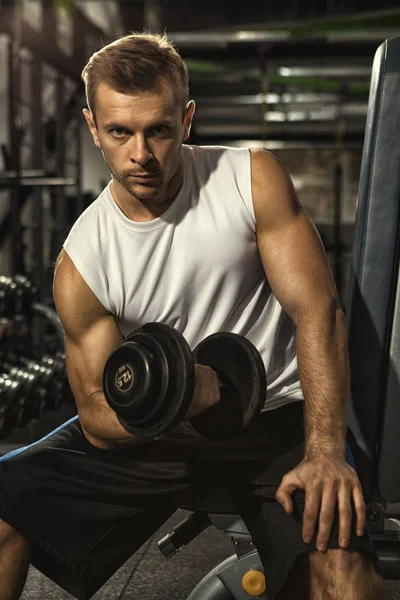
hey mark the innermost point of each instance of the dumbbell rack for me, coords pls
(35, 396)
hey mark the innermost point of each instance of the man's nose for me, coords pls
(140, 151)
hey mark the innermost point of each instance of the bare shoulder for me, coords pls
(76, 304)
(273, 191)
(264, 163)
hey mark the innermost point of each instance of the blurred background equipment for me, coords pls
(33, 381)
(290, 77)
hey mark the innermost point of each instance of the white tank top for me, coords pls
(196, 267)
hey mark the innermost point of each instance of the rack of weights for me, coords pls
(33, 379)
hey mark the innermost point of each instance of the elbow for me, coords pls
(327, 310)
(84, 420)
(85, 406)
(326, 316)
(333, 322)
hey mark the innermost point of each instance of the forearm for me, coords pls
(325, 379)
(101, 425)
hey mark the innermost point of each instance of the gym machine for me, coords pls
(373, 321)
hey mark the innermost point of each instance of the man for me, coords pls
(203, 239)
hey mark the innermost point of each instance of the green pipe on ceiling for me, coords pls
(326, 85)
(323, 85)
(204, 66)
(370, 22)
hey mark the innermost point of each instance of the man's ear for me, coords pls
(92, 126)
(188, 118)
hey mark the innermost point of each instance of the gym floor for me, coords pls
(150, 576)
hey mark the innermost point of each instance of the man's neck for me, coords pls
(151, 208)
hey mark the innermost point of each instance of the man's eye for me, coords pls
(160, 129)
(116, 132)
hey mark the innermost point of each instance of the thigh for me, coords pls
(86, 510)
(277, 535)
(255, 457)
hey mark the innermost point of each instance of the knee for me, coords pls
(347, 569)
(337, 560)
(6, 531)
(9, 535)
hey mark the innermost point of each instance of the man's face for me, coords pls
(141, 136)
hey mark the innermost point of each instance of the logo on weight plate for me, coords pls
(124, 378)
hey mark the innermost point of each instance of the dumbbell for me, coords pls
(57, 366)
(44, 388)
(149, 382)
(31, 400)
(54, 379)
(43, 383)
(10, 394)
(43, 379)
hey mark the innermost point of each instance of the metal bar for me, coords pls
(61, 209)
(78, 151)
(24, 173)
(50, 155)
(326, 71)
(291, 113)
(37, 162)
(10, 183)
(279, 130)
(337, 209)
(337, 217)
(290, 145)
(271, 98)
(16, 258)
(220, 39)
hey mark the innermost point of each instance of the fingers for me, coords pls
(326, 517)
(311, 512)
(361, 510)
(345, 512)
(325, 502)
(345, 516)
(325, 494)
(284, 492)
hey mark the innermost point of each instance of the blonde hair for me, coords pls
(136, 62)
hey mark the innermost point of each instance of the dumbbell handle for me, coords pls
(219, 382)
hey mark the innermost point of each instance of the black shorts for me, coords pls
(86, 510)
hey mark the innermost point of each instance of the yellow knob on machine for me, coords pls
(253, 582)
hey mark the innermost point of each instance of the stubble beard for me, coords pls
(132, 188)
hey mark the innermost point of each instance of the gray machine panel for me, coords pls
(373, 275)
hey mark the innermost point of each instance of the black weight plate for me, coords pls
(142, 412)
(143, 366)
(181, 382)
(127, 377)
(243, 380)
